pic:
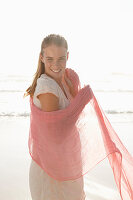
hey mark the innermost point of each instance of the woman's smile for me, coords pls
(55, 71)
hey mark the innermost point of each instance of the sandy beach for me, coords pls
(14, 173)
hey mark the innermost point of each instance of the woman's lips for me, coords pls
(55, 71)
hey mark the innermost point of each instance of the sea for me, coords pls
(114, 94)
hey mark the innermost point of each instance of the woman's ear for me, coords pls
(67, 55)
(41, 57)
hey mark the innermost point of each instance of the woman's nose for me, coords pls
(55, 63)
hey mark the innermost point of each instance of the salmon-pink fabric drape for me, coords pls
(68, 143)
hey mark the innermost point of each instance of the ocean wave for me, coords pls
(8, 91)
(27, 114)
(118, 112)
(118, 91)
(96, 90)
(13, 114)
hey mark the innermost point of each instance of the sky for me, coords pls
(99, 34)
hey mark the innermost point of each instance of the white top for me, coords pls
(47, 84)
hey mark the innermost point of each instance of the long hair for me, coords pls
(56, 39)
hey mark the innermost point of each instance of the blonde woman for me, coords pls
(50, 94)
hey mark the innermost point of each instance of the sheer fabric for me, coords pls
(68, 143)
(42, 186)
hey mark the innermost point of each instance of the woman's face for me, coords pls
(55, 59)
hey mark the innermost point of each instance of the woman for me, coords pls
(69, 132)
(52, 90)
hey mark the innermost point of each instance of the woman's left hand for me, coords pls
(68, 84)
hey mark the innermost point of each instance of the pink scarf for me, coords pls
(68, 143)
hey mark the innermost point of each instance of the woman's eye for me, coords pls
(61, 59)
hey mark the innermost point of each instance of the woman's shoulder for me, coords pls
(46, 78)
(45, 84)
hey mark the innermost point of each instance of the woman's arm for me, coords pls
(49, 102)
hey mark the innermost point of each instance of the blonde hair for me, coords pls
(56, 39)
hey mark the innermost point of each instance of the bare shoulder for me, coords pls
(49, 101)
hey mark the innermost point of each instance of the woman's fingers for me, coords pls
(66, 81)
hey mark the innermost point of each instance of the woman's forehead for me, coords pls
(55, 50)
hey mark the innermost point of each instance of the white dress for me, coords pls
(43, 186)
